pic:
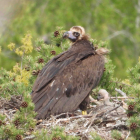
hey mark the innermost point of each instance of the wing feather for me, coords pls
(71, 87)
(66, 80)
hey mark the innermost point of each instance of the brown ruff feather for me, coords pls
(102, 51)
(85, 37)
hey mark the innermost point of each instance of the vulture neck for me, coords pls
(107, 101)
(84, 42)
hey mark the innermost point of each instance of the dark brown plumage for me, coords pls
(66, 81)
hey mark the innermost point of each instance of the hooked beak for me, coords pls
(66, 35)
(69, 34)
(99, 97)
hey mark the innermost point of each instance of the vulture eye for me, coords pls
(76, 34)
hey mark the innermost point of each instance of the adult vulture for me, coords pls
(65, 82)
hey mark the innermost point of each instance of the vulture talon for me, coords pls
(84, 112)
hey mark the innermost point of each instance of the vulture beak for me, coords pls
(65, 35)
(69, 34)
(99, 97)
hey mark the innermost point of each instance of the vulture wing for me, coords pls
(65, 82)
(51, 69)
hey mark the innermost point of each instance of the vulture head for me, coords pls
(104, 96)
(75, 33)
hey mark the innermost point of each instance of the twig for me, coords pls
(116, 126)
(124, 95)
(127, 135)
(92, 119)
(13, 111)
(29, 137)
(93, 100)
(10, 105)
(7, 116)
(121, 92)
(121, 97)
(57, 116)
(72, 118)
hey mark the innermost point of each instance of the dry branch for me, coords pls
(93, 100)
(121, 92)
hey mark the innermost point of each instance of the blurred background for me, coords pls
(117, 22)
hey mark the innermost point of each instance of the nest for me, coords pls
(101, 121)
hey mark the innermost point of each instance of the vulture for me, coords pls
(65, 82)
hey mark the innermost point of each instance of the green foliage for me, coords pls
(25, 116)
(59, 132)
(130, 138)
(20, 79)
(95, 136)
(55, 133)
(131, 86)
(134, 73)
(41, 135)
(104, 20)
(2, 117)
(133, 111)
(10, 131)
(116, 134)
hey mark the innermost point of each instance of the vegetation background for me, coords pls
(23, 23)
(117, 22)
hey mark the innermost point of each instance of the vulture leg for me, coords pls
(83, 105)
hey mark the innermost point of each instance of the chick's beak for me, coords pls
(99, 97)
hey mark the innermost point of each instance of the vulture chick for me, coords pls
(103, 96)
(113, 109)
(65, 82)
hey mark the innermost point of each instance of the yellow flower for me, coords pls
(16, 68)
(11, 74)
(126, 81)
(23, 77)
(0, 49)
(11, 46)
(27, 49)
(27, 44)
(18, 78)
(19, 52)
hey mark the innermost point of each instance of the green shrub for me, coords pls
(20, 79)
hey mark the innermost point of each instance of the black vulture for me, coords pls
(65, 82)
